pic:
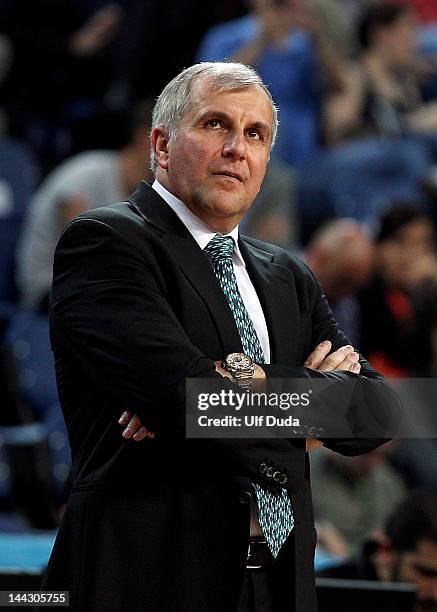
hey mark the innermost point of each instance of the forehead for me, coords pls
(251, 101)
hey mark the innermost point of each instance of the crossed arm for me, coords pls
(345, 358)
(101, 276)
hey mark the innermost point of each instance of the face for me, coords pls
(400, 40)
(420, 568)
(398, 255)
(217, 160)
(346, 272)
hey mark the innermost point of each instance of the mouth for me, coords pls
(233, 175)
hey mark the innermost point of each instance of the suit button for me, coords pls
(283, 479)
(269, 472)
(277, 476)
(263, 468)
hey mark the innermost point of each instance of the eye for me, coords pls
(255, 134)
(214, 123)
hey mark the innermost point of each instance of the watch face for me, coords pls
(239, 361)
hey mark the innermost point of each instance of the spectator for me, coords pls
(405, 255)
(88, 180)
(382, 95)
(405, 552)
(283, 40)
(341, 255)
(355, 494)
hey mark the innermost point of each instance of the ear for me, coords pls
(159, 140)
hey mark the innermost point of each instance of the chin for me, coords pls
(229, 210)
(225, 203)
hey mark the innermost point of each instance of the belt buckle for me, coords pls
(254, 560)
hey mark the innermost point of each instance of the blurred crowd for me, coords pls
(351, 188)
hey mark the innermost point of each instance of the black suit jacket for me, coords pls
(135, 310)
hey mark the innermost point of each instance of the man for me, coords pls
(405, 259)
(137, 308)
(341, 255)
(405, 552)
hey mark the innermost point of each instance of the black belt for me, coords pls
(259, 556)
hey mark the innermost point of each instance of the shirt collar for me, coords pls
(201, 232)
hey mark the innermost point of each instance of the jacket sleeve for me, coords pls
(109, 312)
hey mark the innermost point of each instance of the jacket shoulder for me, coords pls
(284, 258)
(119, 218)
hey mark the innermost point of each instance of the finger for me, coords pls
(356, 368)
(140, 434)
(348, 362)
(132, 427)
(151, 434)
(125, 417)
(336, 358)
(316, 357)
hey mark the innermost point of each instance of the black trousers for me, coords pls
(272, 589)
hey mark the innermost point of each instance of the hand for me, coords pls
(134, 428)
(98, 31)
(331, 539)
(222, 371)
(345, 358)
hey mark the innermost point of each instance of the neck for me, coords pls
(222, 225)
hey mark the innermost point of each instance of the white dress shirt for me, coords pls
(202, 234)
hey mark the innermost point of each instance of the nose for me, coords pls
(235, 146)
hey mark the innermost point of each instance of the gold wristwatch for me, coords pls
(241, 367)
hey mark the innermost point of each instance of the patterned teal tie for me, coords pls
(275, 513)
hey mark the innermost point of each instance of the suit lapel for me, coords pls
(276, 290)
(200, 273)
(273, 283)
(192, 261)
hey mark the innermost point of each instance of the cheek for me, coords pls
(257, 172)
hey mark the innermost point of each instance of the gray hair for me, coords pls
(175, 98)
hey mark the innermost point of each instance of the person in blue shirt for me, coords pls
(283, 40)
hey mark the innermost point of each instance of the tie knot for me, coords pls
(220, 247)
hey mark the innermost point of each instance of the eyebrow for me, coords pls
(221, 115)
